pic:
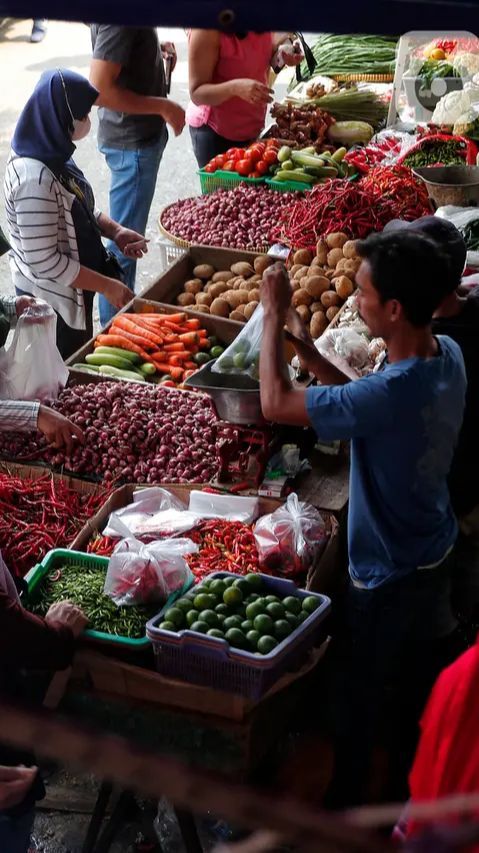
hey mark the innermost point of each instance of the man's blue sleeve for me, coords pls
(354, 410)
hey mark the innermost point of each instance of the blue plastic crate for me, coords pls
(212, 662)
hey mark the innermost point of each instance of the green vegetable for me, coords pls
(119, 373)
(201, 358)
(216, 351)
(351, 132)
(123, 353)
(470, 232)
(433, 68)
(353, 105)
(101, 358)
(284, 154)
(299, 176)
(340, 55)
(84, 368)
(84, 587)
(147, 369)
(339, 155)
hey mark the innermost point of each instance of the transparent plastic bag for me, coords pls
(144, 574)
(154, 512)
(347, 344)
(290, 538)
(242, 356)
(230, 507)
(32, 368)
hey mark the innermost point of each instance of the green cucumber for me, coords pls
(284, 153)
(123, 353)
(147, 369)
(101, 359)
(109, 370)
(300, 177)
(339, 155)
(85, 368)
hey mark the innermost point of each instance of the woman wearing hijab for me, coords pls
(55, 231)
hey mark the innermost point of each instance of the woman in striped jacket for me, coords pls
(55, 231)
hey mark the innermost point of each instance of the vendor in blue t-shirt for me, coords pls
(403, 422)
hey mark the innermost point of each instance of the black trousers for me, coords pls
(208, 144)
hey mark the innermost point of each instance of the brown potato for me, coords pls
(336, 240)
(316, 306)
(303, 256)
(185, 299)
(316, 262)
(299, 274)
(349, 249)
(223, 275)
(255, 278)
(204, 309)
(330, 298)
(295, 285)
(341, 265)
(303, 281)
(238, 316)
(204, 271)
(242, 268)
(249, 309)
(334, 256)
(294, 269)
(220, 307)
(254, 295)
(242, 296)
(217, 288)
(261, 263)
(319, 324)
(301, 297)
(241, 308)
(204, 299)
(316, 285)
(194, 285)
(322, 251)
(343, 286)
(304, 313)
(232, 298)
(331, 312)
(330, 274)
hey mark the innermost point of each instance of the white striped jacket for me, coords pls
(44, 259)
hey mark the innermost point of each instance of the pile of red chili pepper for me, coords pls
(356, 209)
(101, 546)
(369, 156)
(38, 515)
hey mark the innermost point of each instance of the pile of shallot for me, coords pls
(241, 218)
(140, 434)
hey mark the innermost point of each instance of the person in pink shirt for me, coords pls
(229, 87)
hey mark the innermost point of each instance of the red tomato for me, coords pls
(259, 147)
(209, 168)
(270, 157)
(255, 175)
(244, 167)
(274, 144)
(229, 166)
(253, 154)
(231, 152)
(239, 154)
(168, 383)
(262, 167)
(219, 161)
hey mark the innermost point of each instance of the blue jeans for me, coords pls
(133, 181)
(15, 832)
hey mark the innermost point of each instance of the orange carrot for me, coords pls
(178, 357)
(175, 372)
(204, 343)
(137, 329)
(192, 325)
(123, 343)
(173, 347)
(173, 318)
(189, 338)
(190, 365)
(139, 340)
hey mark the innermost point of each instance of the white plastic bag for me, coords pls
(229, 507)
(144, 574)
(345, 343)
(32, 368)
(154, 512)
(290, 538)
(460, 217)
(242, 356)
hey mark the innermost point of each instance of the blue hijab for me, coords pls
(44, 128)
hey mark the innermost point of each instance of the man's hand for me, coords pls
(132, 244)
(168, 50)
(68, 615)
(15, 782)
(174, 115)
(251, 91)
(58, 430)
(276, 291)
(24, 302)
(117, 293)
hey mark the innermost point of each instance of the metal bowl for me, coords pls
(235, 397)
(458, 185)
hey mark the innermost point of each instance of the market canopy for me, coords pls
(374, 16)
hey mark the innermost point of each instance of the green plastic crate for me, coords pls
(288, 186)
(226, 180)
(60, 556)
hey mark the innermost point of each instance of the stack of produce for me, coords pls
(241, 218)
(137, 433)
(309, 168)
(301, 125)
(240, 612)
(345, 55)
(84, 587)
(137, 346)
(356, 209)
(38, 515)
(440, 149)
(252, 162)
(385, 146)
(232, 293)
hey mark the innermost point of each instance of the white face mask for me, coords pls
(81, 128)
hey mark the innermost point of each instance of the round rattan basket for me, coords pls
(185, 244)
(363, 78)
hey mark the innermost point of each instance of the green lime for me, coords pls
(236, 638)
(263, 624)
(218, 587)
(210, 617)
(201, 358)
(229, 581)
(232, 596)
(271, 598)
(215, 632)
(253, 638)
(253, 610)
(302, 617)
(216, 351)
(292, 619)
(232, 622)
(200, 627)
(202, 601)
(167, 626)
(192, 616)
(239, 360)
(292, 604)
(222, 608)
(282, 629)
(254, 581)
(176, 616)
(226, 363)
(275, 610)
(212, 340)
(266, 644)
(246, 626)
(183, 604)
(310, 603)
(214, 600)
(243, 586)
(221, 618)
(253, 596)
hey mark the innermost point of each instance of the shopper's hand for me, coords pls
(15, 782)
(295, 58)
(168, 49)
(117, 293)
(24, 302)
(174, 115)
(276, 290)
(58, 430)
(68, 615)
(132, 244)
(252, 91)
(301, 340)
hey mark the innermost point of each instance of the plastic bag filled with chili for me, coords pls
(290, 538)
